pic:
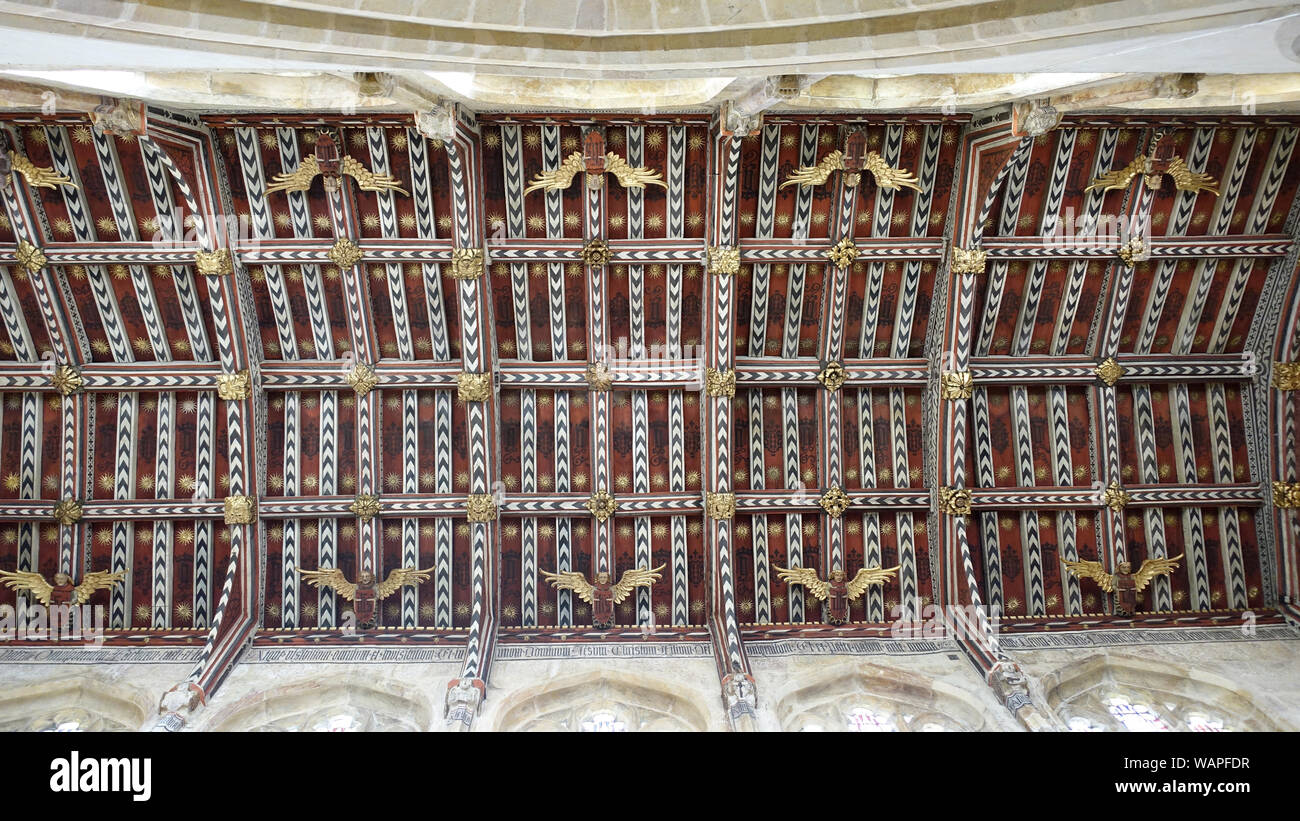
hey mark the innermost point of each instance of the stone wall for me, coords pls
(1246, 684)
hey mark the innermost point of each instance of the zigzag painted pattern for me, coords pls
(1220, 221)
(563, 527)
(162, 530)
(123, 484)
(891, 150)
(1179, 222)
(1193, 525)
(1234, 569)
(12, 312)
(42, 284)
(410, 484)
(1153, 518)
(635, 139)
(907, 575)
(988, 519)
(730, 198)
(528, 484)
(70, 480)
(388, 228)
(182, 278)
(793, 481)
(313, 287)
(1261, 210)
(1014, 174)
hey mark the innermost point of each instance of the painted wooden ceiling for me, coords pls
(1190, 431)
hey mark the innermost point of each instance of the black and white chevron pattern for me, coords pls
(1193, 524)
(1148, 464)
(327, 481)
(162, 530)
(1230, 187)
(1015, 176)
(1180, 220)
(984, 476)
(1229, 524)
(123, 488)
(793, 481)
(205, 415)
(908, 591)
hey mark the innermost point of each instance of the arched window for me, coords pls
(1083, 724)
(603, 722)
(865, 720)
(74, 705)
(341, 705)
(339, 721)
(72, 720)
(603, 702)
(1143, 696)
(873, 699)
(1199, 722)
(1136, 717)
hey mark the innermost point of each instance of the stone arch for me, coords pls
(75, 704)
(602, 700)
(860, 696)
(1118, 693)
(334, 704)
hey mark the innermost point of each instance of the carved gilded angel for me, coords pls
(62, 590)
(366, 593)
(1124, 583)
(300, 179)
(557, 179)
(36, 176)
(839, 590)
(886, 175)
(1152, 171)
(602, 596)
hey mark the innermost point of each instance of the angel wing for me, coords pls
(630, 177)
(1185, 179)
(571, 580)
(330, 577)
(1154, 567)
(368, 180)
(399, 578)
(97, 580)
(22, 580)
(558, 178)
(868, 576)
(634, 578)
(888, 176)
(1119, 178)
(298, 179)
(1094, 571)
(808, 578)
(816, 174)
(36, 176)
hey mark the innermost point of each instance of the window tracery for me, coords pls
(603, 703)
(874, 699)
(1123, 695)
(76, 705)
